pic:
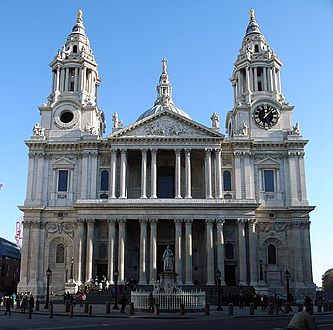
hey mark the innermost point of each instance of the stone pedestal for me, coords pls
(169, 281)
(71, 287)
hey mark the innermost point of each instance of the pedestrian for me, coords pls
(123, 302)
(31, 302)
(150, 302)
(8, 304)
(303, 320)
(24, 303)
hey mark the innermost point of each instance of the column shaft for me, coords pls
(111, 254)
(153, 250)
(253, 252)
(90, 249)
(143, 251)
(188, 262)
(79, 249)
(208, 168)
(153, 170)
(178, 249)
(177, 175)
(143, 173)
(220, 249)
(123, 164)
(242, 252)
(210, 252)
(121, 251)
(218, 174)
(113, 173)
(188, 173)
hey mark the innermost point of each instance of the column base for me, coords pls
(153, 197)
(143, 197)
(188, 197)
(242, 283)
(211, 283)
(178, 197)
(189, 283)
(142, 282)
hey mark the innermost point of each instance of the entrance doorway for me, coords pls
(165, 182)
(230, 275)
(102, 270)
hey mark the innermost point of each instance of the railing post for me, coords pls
(157, 309)
(51, 309)
(207, 309)
(231, 309)
(90, 310)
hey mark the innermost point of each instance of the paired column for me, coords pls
(112, 239)
(218, 174)
(143, 251)
(90, 248)
(188, 173)
(153, 251)
(153, 169)
(143, 173)
(24, 272)
(242, 252)
(121, 250)
(113, 173)
(79, 249)
(178, 249)
(220, 248)
(123, 164)
(177, 176)
(188, 251)
(208, 174)
(253, 252)
(210, 252)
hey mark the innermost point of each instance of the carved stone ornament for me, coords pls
(60, 228)
(167, 127)
(274, 226)
(226, 160)
(105, 160)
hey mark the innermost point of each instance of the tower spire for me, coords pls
(164, 88)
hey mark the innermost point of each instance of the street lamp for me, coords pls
(218, 282)
(72, 263)
(287, 276)
(48, 276)
(261, 273)
(115, 306)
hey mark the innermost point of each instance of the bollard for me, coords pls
(86, 306)
(107, 307)
(51, 310)
(71, 311)
(30, 312)
(325, 307)
(37, 305)
(131, 308)
(300, 307)
(182, 309)
(270, 308)
(67, 306)
(251, 309)
(157, 309)
(207, 312)
(90, 310)
(231, 309)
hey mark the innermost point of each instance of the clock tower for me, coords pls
(260, 111)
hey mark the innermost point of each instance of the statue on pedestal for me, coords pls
(168, 260)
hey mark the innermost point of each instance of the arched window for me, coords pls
(271, 253)
(227, 180)
(256, 48)
(229, 251)
(105, 180)
(74, 49)
(60, 254)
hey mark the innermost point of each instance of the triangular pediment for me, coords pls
(166, 124)
(268, 162)
(62, 162)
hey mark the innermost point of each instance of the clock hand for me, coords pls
(267, 113)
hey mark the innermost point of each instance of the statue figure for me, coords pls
(215, 120)
(168, 259)
(243, 130)
(38, 130)
(115, 120)
(296, 129)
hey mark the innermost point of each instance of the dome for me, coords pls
(164, 97)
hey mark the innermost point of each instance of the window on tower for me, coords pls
(105, 180)
(71, 79)
(60, 254)
(271, 254)
(74, 49)
(259, 78)
(256, 48)
(62, 180)
(269, 180)
(227, 180)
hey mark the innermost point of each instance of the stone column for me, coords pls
(76, 79)
(121, 250)
(274, 79)
(143, 251)
(188, 250)
(218, 173)
(238, 176)
(177, 175)
(79, 239)
(113, 173)
(30, 177)
(242, 252)
(255, 89)
(24, 271)
(123, 164)
(220, 248)
(188, 193)
(84, 176)
(293, 179)
(248, 85)
(304, 199)
(93, 171)
(90, 248)
(210, 252)
(111, 254)
(307, 262)
(66, 79)
(34, 255)
(178, 249)
(265, 78)
(143, 173)
(153, 250)
(153, 170)
(253, 252)
(39, 178)
(58, 80)
(249, 175)
(297, 244)
(208, 176)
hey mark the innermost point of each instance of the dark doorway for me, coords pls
(102, 270)
(165, 182)
(230, 276)
(160, 251)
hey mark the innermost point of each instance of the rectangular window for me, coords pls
(269, 180)
(62, 180)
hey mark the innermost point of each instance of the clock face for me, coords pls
(265, 116)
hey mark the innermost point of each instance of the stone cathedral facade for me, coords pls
(100, 202)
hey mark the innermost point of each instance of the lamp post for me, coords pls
(72, 264)
(287, 276)
(115, 306)
(261, 273)
(48, 276)
(218, 282)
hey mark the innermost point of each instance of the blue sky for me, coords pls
(201, 40)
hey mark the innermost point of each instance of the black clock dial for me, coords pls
(265, 116)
